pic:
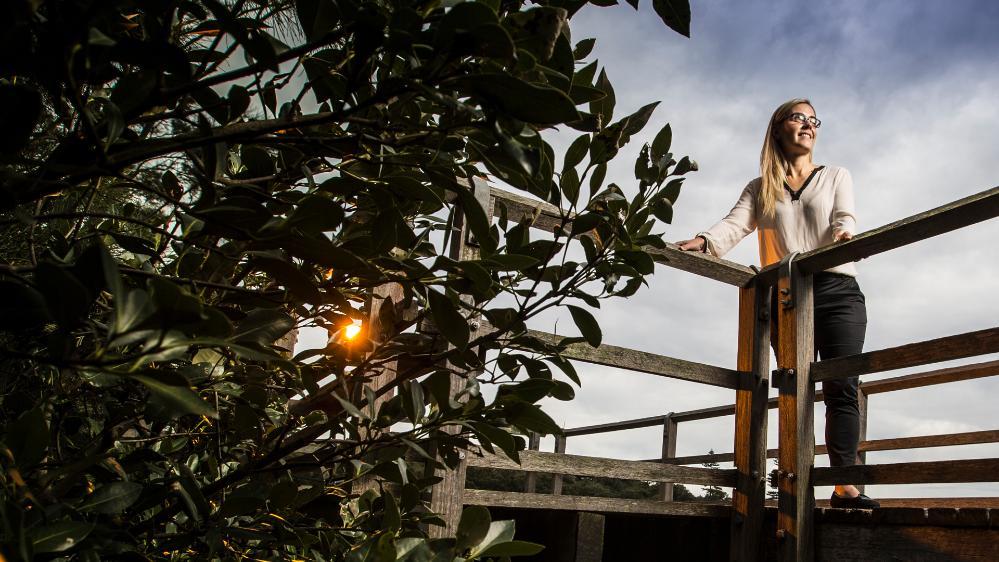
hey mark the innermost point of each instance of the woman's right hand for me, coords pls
(695, 244)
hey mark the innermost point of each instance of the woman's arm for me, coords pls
(844, 219)
(725, 234)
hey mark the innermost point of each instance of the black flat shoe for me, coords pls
(859, 502)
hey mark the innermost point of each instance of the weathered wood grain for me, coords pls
(795, 405)
(948, 348)
(637, 423)
(557, 478)
(547, 217)
(589, 537)
(645, 362)
(845, 543)
(578, 465)
(594, 504)
(670, 428)
(966, 470)
(952, 216)
(446, 495)
(889, 504)
(750, 446)
(929, 378)
(894, 444)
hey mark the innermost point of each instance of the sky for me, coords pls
(906, 91)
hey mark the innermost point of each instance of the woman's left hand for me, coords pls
(843, 236)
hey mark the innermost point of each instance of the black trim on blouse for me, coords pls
(795, 195)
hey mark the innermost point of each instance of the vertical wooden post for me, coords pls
(533, 444)
(670, 427)
(796, 412)
(446, 497)
(862, 405)
(557, 478)
(751, 424)
(589, 537)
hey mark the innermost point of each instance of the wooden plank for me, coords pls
(446, 496)
(945, 440)
(952, 216)
(703, 264)
(557, 478)
(644, 362)
(966, 470)
(531, 481)
(670, 428)
(862, 409)
(796, 397)
(846, 542)
(589, 537)
(750, 455)
(548, 217)
(637, 423)
(895, 444)
(594, 504)
(578, 465)
(910, 355)
(938, 376)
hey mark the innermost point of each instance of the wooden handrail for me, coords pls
(578, 465)
(599, 505)
(893, 444)
(968, 470)
(548, 217)
(904, 382)
(645, 362)
(910, 355)
(952, 216)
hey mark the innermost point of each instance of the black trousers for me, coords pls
(840, 328)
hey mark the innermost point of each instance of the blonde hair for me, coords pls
(773, 162)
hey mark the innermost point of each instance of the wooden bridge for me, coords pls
(746, 529)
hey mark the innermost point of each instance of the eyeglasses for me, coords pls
(802, 118)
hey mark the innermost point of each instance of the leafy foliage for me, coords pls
(186, 184)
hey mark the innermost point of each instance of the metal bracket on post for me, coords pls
(787, 295)
(779, 378)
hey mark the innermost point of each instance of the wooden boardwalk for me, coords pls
(798, 528)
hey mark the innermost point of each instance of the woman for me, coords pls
(796, 205)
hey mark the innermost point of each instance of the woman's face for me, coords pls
(797, 137)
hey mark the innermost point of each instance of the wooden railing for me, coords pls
(795, 379)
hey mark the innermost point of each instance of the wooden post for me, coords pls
(533, 444)
(796, 454)
(670, 427)
(862, 405)
(557, 478)
(446, 497)
(751, 409)
(589, 537)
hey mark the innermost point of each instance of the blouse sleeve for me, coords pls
(739, 223)
(843, 217)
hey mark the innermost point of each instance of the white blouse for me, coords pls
(804, 220)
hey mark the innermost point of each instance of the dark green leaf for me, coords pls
(472, 527)
(513, 548)
(262, 327)
(177, 399)
(532, 103)
(448, 319)
(112, 498)
(20, 107)
(57, 537)
(583, 48)
(604, 107)
(317, 17)
(28, 438)
(577, 151)
(662, 142)
(587, 325)
(22, 307)
(675, 14)
(597, 179)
